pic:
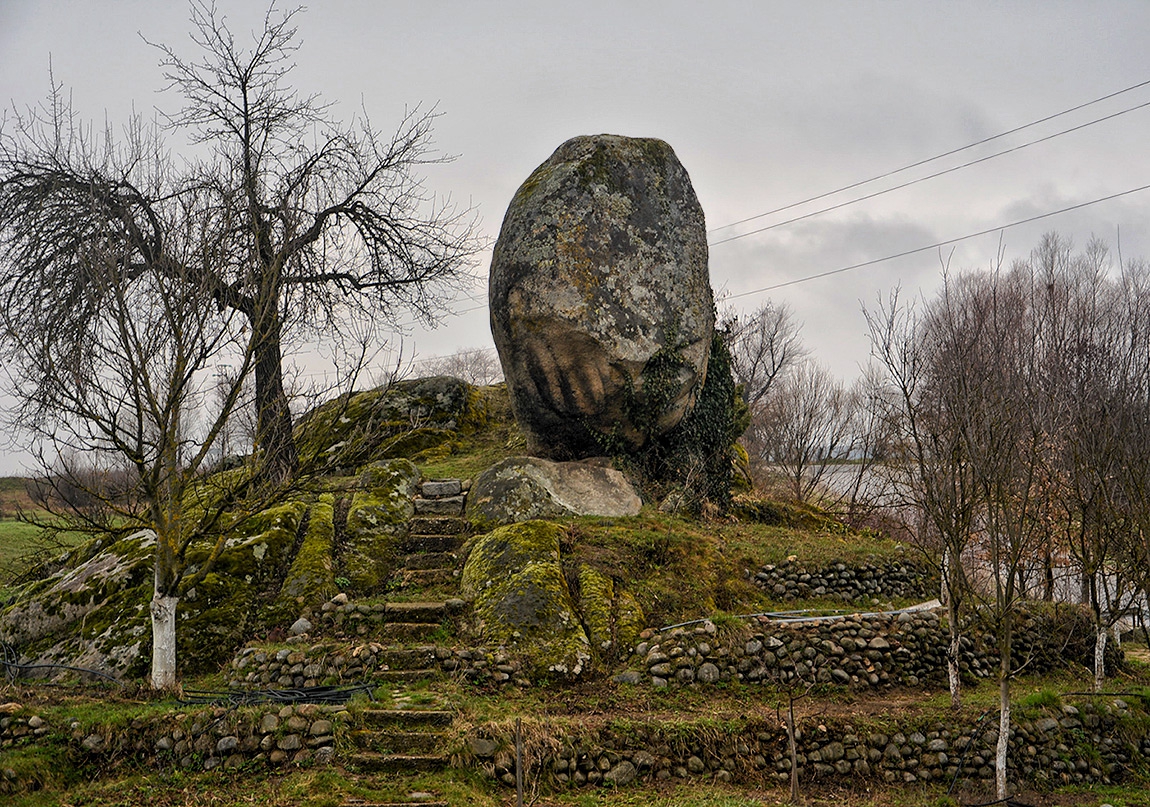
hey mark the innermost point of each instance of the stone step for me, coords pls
(430, 525)
(408, 631)
(432, 560)
(398, 763)
(433, 612)
(397, 742)
(441, 488)
(430, 543)
(448, 506)
(415, 578)
(407, 717)
(407, 658)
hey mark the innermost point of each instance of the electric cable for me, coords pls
(985, 140)
(937, 244)
(908, 183)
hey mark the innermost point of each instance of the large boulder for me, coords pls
(524, 488)
(601, 306)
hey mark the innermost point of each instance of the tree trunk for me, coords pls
(952, 668)
(1099, 656)
(1047, 574)
(1003, 731)
(273, 415)
(954, 682)
(163, 610)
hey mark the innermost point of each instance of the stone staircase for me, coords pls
(400, 741)
(409, 739)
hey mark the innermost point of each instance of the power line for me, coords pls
(908, 183)
(932, 159)
(937, 245)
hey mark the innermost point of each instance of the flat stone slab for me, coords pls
(448, 506)
(524, 488)
(441, 488)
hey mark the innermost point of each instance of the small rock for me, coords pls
(300, 627)
(708, 673)
(483, 747)
(622, 774)
(628, 677)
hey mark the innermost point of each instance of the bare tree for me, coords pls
(110, 361)
(803, 427)
(928, 416)
(478, 366)
(764, 346)
(321, 222)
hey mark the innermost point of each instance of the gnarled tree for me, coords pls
(322, 223)
(107, 346)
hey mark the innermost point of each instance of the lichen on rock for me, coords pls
(600, 270)
(396, 420)
(377, 520)
(525, 488)
(521, 600)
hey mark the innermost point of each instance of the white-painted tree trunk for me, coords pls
(1099, 657)
(1003, 738)
(952, 671)
(163, 610)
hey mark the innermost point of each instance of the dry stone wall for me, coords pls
(1094, 743)
(876, 651)
(790, 580)
(330, 664)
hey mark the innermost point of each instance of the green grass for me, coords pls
(22, 545)
(17, 539)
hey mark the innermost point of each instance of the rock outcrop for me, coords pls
(524, 488)
(521, 599)
(601, 306)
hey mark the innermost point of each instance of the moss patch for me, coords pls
(521, 599)
(395, 421)
(611, 617)
(379, 517)
(311, 580)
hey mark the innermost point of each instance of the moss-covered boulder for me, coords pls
(311, 580)
(92, 612)
(397, 420)
(217, 614)
(521, 599)
(601, 305)
(525, 488)
(378, 519)
(612, 618)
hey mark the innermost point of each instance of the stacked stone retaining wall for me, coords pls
(862, 652)
(863, 582)
(330, 664)
(1100, 743)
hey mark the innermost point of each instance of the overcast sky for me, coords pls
(765, 103)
